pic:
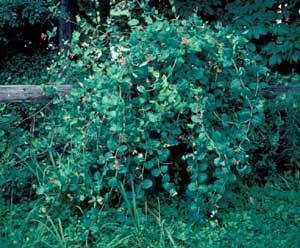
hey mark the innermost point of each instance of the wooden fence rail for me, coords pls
(30, 93)
(37, 93)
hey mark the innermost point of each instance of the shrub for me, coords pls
(175, 110)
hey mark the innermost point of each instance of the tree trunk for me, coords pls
(67, 21)
(104, 9)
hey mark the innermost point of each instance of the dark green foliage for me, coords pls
(19, 68)
(272, 26)
(266, 217)
(166, 102)
(171, 85)
(277, 140)
(18, 13)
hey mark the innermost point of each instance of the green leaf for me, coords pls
(101, 160)
(155, 172)
(97, 176)
(217, 136)
(196, 118)
(76, 36)
(296, 56)
(166, 178)
(203, 166)
(219, 186)
(235, 84)
(245, 114)
(192, 187)
(201, 155)
(217, 162)
(152, 117)
(173, 192)
(232, 177)
(164, 168)
(40, 190)
(195, 107)
(74, 187)
(275, 59)
(148, 20)
(163, 155)
(105, 100)
(122, 149)
(147, 183)
(112, 144)
(133, 22)
(149, 164)
(113, 182)
(115, 127)
(2, 147)
(141, 89)
(1, 133)
(257, 120)
(202, 177)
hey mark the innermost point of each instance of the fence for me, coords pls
(44, 93)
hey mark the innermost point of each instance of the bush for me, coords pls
(175, 110)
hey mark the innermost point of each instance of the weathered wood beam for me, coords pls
(276, 90)
(39, 93)
(31, 93)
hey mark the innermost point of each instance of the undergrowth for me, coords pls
(266, 216)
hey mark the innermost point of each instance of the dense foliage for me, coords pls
(178, 103)
(167, 101)
(261, 220)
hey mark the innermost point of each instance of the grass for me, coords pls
(266, 216)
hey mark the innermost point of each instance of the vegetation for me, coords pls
(264, 217)
(170, 136)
